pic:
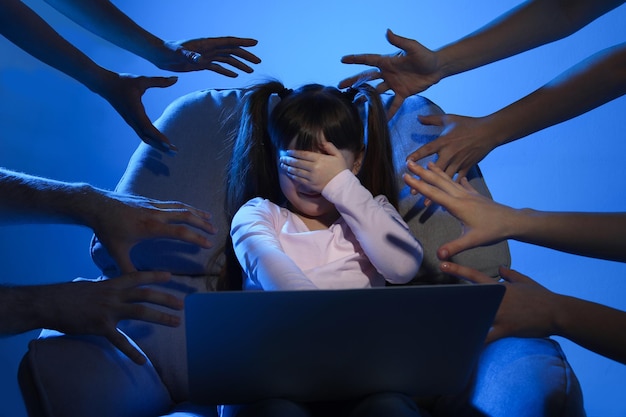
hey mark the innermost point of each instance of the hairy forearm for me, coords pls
(597, 235)
(21, 309)
(29, 199)
(104, 19)
(532, 24)
(593, 326)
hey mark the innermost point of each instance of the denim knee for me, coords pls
(275, 407)
(518, 377)
(388, 404)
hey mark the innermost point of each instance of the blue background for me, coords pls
(53, 126)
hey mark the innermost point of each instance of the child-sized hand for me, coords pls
(315, 169)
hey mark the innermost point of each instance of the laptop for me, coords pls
(324, 345)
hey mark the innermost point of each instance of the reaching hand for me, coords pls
(410, 71)
(124, 92)
(125, 220)
(463, 143)
(88, 307)
(484, 221)
(314, 169)
(525, 311)
(202, 54)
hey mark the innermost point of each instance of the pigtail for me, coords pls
(252, 170)
(377, 172)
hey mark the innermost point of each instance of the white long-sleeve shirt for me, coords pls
(368, 245)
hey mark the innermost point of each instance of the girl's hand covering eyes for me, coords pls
(314, 169)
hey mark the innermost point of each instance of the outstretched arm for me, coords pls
(415, 68)
(465, 140)
(598, 235)
(530, 310)
(120, 221)
(22, 26)
(88, 307)
(531, 24)
(105, 20)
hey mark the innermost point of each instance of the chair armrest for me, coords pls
(67, 376)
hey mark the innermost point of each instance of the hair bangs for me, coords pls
(313, 114)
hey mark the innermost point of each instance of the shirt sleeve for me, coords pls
(260, 254)
(380, 230)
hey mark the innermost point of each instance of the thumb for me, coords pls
(121, 342)
(161, 82)
(398, 41)
(431, 119)
(511, 275)
(396, 103)
(330, 148)
(495, 333)
(455, 246)
(123, 261)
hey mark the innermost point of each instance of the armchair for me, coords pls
(69, 376)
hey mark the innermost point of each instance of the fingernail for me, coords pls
(171, 149)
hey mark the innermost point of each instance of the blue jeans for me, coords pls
(377, 405)
(514, 377)
(517, 377)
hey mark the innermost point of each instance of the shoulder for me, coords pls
(260, 207)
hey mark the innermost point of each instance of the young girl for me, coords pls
(302, 181)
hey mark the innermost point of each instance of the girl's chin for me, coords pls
(314, 196)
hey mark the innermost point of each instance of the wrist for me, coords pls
(157, 52)
(24, 305)
(85, 202)
(561, 319)
(444, 65)
(497, 131)
(521, 221)
(102, 82)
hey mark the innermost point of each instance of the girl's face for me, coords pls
(308, 204)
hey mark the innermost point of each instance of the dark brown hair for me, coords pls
(304, 114)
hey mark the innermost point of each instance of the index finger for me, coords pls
(466, 273)
(424, 186)
(436, 177)
(368, 75)
(153, 137)
(428, 191)
(363, 59)
(396, 103)
(121, 342)
(228, 41)
(139, 278)
(300, 154)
